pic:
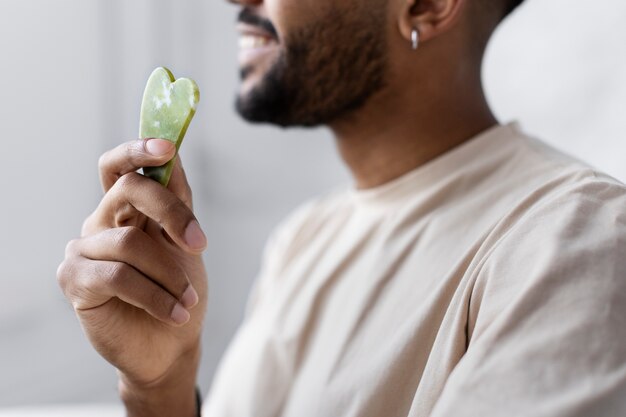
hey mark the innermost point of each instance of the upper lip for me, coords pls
(247, 29)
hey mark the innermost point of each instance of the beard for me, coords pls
(324, 72)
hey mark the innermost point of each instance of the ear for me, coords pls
(430, 17)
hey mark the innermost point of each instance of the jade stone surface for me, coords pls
(166, 111)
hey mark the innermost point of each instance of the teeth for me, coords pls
(251, 41)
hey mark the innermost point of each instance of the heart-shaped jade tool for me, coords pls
(166, 111)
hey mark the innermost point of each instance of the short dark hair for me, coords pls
(512, 5)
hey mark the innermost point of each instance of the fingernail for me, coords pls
(159, 147)
(180, 315)
(194, 236)
(189, 298)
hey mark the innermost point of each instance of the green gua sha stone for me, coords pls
(166, 111)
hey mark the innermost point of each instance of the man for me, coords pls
(472, 270)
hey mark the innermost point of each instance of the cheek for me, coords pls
(291, 15)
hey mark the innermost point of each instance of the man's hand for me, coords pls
(137, 281)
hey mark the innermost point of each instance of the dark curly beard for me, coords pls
(325, 71)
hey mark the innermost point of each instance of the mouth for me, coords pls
(254, 44)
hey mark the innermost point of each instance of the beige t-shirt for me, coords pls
(489, 282)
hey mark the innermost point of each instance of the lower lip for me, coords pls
(248, 55)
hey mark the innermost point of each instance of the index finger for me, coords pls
(134, 194)
(130, 156)
(179, 184)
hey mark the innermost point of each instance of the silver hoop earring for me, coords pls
(415, 38)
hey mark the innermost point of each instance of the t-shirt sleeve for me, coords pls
(547, 328)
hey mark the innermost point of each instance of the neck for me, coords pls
(400, 129)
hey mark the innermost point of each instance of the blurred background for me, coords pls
(73, 72)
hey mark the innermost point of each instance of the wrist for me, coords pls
(172, 395)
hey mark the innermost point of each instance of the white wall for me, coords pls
(49, 116)
(73, 73)
(560, 67)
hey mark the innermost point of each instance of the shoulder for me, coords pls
(581, 205)
(554, 192)
(563, 234)
(582, 213)
(560, 254)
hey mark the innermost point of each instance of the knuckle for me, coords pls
(182, 280)
(72, 248)
(124, 186)
(126, 238)
(161, 302)
(86, 227)
(103, 161)
(69, 275)
(178, 280)
(174, 205)
(64, 273)
(115, 274)
(126, 181)
(178, 212)
(135, 150)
